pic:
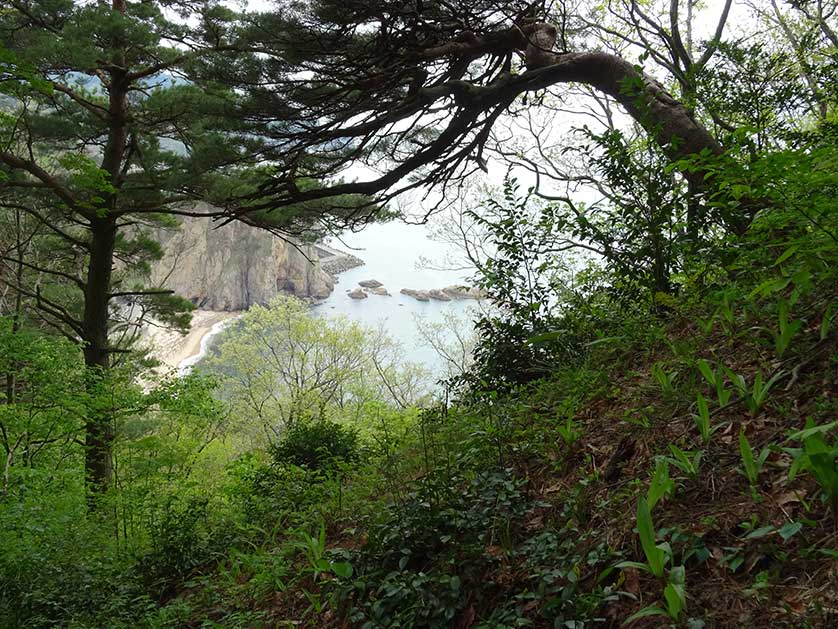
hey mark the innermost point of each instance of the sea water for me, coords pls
(393, 254)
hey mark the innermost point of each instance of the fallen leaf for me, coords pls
(632, 583)
(787, 498)
(466, 619)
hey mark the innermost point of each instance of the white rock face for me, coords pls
(460, 291)
(236, 266)
(439, 295)
(419, 295)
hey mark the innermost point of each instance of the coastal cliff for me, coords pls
(236, 266)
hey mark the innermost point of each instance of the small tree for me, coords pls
(41, 407)
(281, 365)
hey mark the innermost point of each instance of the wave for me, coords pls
(185, 366)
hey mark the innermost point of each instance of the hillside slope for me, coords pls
(523, 509)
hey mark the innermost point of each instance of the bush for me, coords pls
(432, 547)
(182, 540)
(59, 565)
(316, 445)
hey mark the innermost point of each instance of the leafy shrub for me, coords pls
(433, 546)
(316, 445)
(273, 497)
(58, 566)
(181, 541)
(819, 458)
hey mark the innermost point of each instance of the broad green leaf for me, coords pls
(826, 322)
(811, 430)
(660, 485)
(761, 532)
(705, 370)
(633, 564)
(675, 592)
(655, 556)
(342, 569)
(790, 529)
(747, 458)
(645, 613)
(787, 254)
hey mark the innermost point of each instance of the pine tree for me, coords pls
(115, 118)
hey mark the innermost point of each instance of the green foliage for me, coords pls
(757, 88)
(657, 557)
(313, 548)
(786, 330)
(445, 522)
(661, 485)
(638, 228)
(43, 403)
(757, 395)
(702, 420)
(119, 118)
(279, 366)
(716, 379)
(664, 379)
(275, 497)
(820, 459)
(752, 465)
(179, 543)
(674, 594)
(59, 565)
(687, 462)
(754, 397)
(235, 493)
(316, 445)
(523, 280)
(569, 431)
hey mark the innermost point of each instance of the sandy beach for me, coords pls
(172, 349)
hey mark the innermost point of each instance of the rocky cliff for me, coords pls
(235, 266)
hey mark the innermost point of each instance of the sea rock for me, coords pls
(235, 266)
(419, 295)
(439, 295)
(370, 284)
(461, 291)
(380, 290)
(358, 293)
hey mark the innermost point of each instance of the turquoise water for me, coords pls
(392, 253)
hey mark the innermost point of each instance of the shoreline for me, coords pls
(179, 353)
(186, 363)
(173, 349)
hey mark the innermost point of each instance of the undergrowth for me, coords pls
(587, 497)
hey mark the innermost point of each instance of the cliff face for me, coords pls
(236, 266)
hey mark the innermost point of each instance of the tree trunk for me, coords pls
(99, 427)
(99, 424)
(669, 122)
